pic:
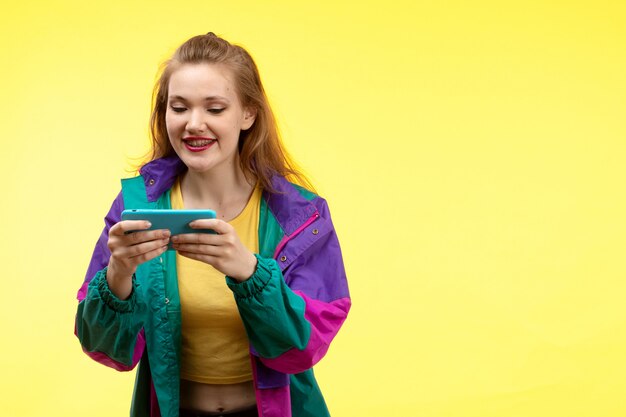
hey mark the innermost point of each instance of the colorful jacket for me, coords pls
(292, 307)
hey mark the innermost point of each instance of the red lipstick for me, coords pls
(198, 143)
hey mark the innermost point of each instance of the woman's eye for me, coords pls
(178, 109)
(216, 110)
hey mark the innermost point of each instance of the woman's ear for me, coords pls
(249, 116)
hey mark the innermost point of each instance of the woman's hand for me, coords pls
(129, 250)
(224, 250)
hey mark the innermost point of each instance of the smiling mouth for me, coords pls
(196, 144)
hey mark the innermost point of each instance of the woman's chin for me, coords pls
(205, 166)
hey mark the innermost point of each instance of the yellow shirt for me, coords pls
(215, 348)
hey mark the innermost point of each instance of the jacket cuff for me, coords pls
(110, 299)
(256, 283)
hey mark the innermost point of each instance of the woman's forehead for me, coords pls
(202, 80)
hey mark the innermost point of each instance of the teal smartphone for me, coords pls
(176, 221)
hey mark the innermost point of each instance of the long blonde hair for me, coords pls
(261, 151)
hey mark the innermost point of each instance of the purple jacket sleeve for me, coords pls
(109, 329)
(291, 319)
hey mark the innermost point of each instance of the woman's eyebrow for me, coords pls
(209, 98)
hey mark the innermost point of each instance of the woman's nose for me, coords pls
(196, 122)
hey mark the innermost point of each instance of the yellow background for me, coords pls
(473, 153)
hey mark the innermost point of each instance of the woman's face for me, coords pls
(204, 117)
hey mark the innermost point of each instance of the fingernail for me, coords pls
(174, 238)
(148, 224)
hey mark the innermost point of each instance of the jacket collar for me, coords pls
(289, 207)
(159, 175)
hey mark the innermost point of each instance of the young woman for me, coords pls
(228, 323)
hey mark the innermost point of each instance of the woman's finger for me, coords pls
(125, 226)
(130, 252)
(197, 248)
(135, 238)
(219, 226)
(198, 238)
(146, 256)
(207, 259)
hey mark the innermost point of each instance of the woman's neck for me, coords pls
(226, 191)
